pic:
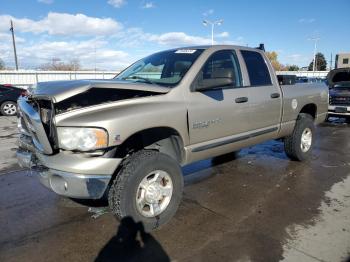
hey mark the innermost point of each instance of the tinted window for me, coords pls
(257, 70)
(3, 89)
(223, 62)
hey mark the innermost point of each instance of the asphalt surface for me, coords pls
(256, 205)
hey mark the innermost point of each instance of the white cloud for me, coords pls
(87, 52)
(223, 35)
(148, 5)
(63, 24)
(178, 39)
(208, 12)
(306, 20)
(116, 3)
(48, 2)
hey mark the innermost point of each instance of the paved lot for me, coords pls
(253, 206)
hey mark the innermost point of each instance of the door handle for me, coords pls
(275, 95)
(241, 99)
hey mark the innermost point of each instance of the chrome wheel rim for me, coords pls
(306, 140)
(154, 193)
(10, 109)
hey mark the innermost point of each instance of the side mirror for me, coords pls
(207, 84)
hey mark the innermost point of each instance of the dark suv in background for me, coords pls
(8, 99)
(339, 93)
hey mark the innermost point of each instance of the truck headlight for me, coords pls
(82, 139)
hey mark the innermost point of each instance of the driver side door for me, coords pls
(220, 111)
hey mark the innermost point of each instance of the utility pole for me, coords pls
(212, 23)
(14, 45)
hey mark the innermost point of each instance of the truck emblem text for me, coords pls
(206, 123)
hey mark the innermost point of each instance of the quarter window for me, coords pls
(257, 70)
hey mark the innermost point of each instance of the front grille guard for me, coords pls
(34, 126)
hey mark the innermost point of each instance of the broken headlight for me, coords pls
(82, 139)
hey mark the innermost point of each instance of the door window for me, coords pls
(222, 64)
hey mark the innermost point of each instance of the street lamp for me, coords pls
(314, 39)
(212, 23)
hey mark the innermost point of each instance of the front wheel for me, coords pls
(299, 144)
(148, 188)
(8, 108)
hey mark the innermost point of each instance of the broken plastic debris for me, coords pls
(98, 211)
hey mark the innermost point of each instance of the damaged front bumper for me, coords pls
(75, 175)
(76, 185)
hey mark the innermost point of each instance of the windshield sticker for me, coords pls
(185, 51)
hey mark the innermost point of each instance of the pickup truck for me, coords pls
(126, 139)
(339, 93)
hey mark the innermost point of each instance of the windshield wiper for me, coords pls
(147, 80)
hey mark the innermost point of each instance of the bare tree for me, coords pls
(57, 65)
(2, 64)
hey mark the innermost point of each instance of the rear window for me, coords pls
(257, 70)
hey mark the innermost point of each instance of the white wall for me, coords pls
(26, 78)
(321, 74)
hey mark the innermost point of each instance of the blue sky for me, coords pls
(113, 33)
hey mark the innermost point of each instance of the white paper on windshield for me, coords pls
(185, 51)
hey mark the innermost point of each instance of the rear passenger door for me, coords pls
(266, 98)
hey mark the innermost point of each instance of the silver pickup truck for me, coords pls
(127, 138)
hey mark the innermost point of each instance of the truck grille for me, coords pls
(335, 100)
(31, 114)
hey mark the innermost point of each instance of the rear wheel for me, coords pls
(299, 144)
(9, 108)
(148, 188)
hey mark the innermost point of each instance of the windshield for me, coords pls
(165, 68)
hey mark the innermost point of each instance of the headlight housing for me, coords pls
(82, 138)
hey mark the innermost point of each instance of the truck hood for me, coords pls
(339, 76)
(61, 90)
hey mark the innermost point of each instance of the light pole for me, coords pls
(315, 48)
(212, 23)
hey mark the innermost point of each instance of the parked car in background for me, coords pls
(8, 99)
(305, 79)
(339, 93)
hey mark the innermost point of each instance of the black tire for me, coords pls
(5, 111)
(293, 144)
(123, 191)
